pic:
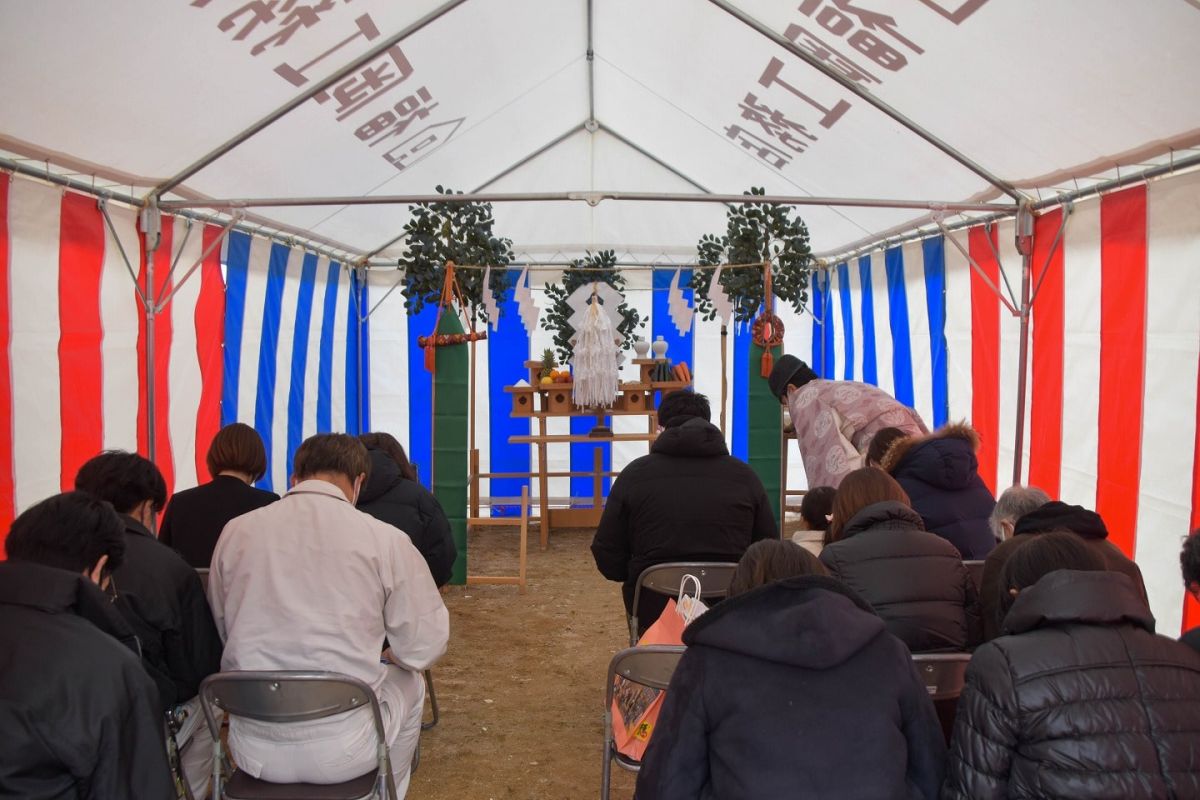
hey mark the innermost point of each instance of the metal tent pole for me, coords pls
(861, 91)
(1024, 236)
(302, 98)
(590, 197)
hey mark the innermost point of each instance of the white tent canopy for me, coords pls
(676, 96)
(316, 122)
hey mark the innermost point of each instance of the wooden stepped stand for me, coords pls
(542, 402)
(478, 522)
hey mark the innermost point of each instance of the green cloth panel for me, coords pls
(450, 387)
(766, 431)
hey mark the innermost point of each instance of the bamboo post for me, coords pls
(474, 485)
(724, 377)
(471, 421)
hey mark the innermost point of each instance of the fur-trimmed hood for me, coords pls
(943, 458)
(902, 447)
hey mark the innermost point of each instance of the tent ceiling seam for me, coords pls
(742, 153)
(473, 126)
(864, 93)
(301, 99)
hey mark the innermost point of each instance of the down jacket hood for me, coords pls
(384, 474)
(691, 437)
(1074, 597)
(812, 622)
(888, 514)
(1056, 516)
(945, 458)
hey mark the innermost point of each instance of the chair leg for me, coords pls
(606, 769)
(433, 703)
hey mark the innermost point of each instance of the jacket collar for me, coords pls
(888, 514)
(1088, 598)
(135, 527)
(692, 437)
(59, 591)
(317, 487)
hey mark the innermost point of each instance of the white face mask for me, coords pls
(358, 482)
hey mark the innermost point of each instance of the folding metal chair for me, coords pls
(286, 697)
(664, 579)
(203, 573)
(975, 570)
(651, 666)
(944, 675)
(433, 703)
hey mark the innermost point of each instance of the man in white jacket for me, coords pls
(311, 583)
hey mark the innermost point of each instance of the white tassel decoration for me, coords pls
(596, 380)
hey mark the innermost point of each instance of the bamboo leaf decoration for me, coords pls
(755, 232)
(458, 232)
(599, 266)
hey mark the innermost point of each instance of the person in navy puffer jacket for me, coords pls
(940, 474)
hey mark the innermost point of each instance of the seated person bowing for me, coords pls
(312, 583)
(688, 500)
(913, 579)
(1077, 697)
(79, 716)
(793, 688)
(195, 517)
(162, 599)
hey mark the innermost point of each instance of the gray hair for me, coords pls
(1014, 503)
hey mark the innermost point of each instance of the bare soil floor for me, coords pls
(521, 688)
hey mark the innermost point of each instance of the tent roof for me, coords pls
(503, 97)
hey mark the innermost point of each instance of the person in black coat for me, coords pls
(79, 717)
(1049, 517)
(195, 517)
(914, 580)
(940, 474)
(162, 599)
(793, 689)
(393, 495)
(688, 500)
(1078, 698)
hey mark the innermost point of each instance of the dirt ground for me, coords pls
(521, 687)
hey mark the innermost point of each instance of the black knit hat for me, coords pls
(789, 370)
(1059, 516)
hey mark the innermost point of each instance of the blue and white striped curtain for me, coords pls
(296, 350)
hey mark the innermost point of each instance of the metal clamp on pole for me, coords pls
(150, 223)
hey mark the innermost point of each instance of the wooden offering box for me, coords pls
(522, 400)
(556, 398)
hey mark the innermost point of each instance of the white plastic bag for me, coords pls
(689, 606)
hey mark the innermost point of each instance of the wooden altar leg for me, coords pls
(597, 478)
(543, 488)
(524, 538)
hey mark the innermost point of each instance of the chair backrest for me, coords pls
(664, 579)
(648, 665)
(203, 573)
(286, 696)
(943, 673)
(975, 570)
(290, 696)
